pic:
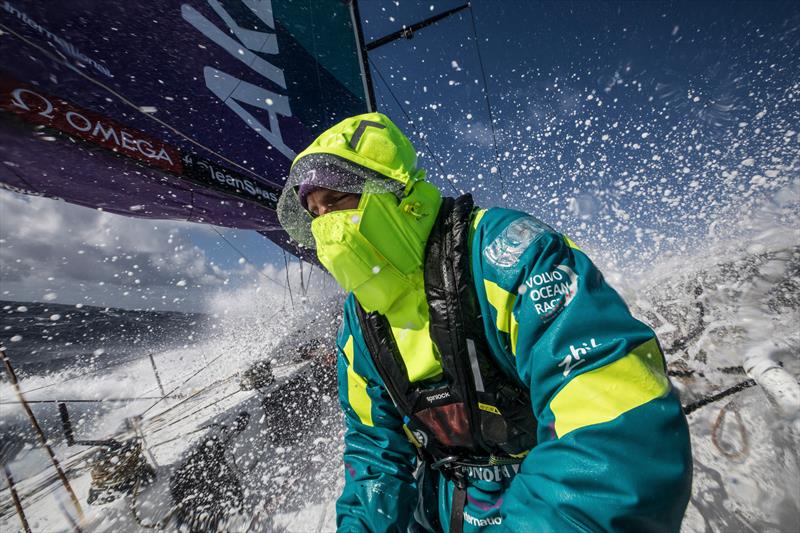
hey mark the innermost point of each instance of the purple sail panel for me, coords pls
(187, 110)
(83, 174)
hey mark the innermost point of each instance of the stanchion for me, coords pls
(15, 498)
(12, 376)
(155, 371)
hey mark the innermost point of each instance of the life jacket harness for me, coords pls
(474, 415)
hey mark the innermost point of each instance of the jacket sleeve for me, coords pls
(379, 492)
(613, 450)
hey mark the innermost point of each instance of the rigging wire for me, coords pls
(168, 382)
(182, 384)
(488, 102)
(251, 263)
(204, 407)
(288, 283)
(82, 375)
(158, 423)
(101, 400)
(411, 123)
(308, 281)
(302, 279)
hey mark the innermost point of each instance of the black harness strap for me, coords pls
(474, 415)
(457, 508)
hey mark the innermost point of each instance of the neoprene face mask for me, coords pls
(355, 263)
(374, 250)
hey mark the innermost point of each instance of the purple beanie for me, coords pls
(327, 177)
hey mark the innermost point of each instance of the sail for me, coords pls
(189, 110)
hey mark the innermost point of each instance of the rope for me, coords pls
(181, 436)
(739, 370)
(687, 409)
(116, 468)
(123, 470)
(719, 424)
(155, 419)
(212, 404)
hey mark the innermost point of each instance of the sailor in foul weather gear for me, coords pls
(491, 380)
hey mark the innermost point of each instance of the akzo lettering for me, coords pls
(575, 355)
(552, 291)
(233, 91)
(482, 522)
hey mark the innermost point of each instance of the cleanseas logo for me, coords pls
(249, 46)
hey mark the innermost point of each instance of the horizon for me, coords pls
(635, 131)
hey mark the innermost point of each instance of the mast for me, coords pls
(363, 48)
(366, 76)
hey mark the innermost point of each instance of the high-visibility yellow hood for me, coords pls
(370, 141)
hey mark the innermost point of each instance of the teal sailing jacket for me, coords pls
(613, 450)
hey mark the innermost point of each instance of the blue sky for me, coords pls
(656, 113)
(632, 126)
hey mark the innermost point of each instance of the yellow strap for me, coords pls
(411, 438)
(488, 408)
(357, 395)
(603, 394)
(503, 302)
(477, 219)
(571, 244)
(417, 351)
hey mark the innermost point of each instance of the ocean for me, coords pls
(45, 338)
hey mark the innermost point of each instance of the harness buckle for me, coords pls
(452, 470)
